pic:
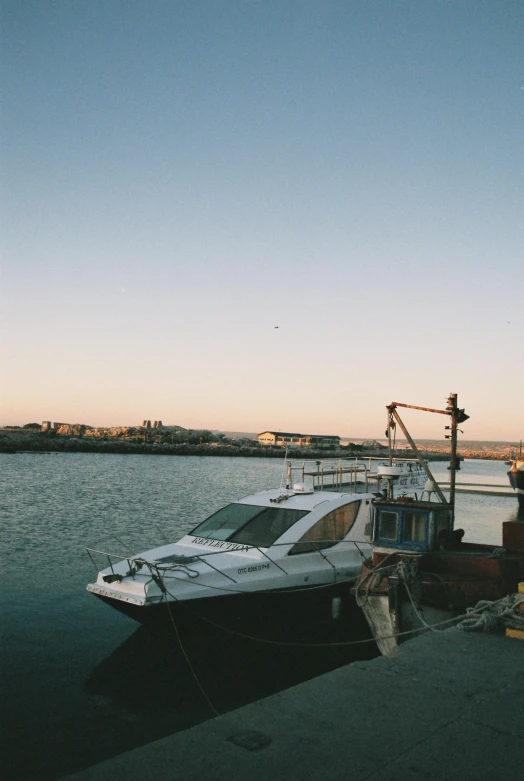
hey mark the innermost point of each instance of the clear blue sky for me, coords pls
(181, 176)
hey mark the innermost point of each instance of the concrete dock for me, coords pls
(450, 705)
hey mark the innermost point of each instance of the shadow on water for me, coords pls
(149, 682)
(231, 670)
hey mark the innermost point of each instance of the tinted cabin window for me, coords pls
(248, 524)
(388, 523)
(266, 528)
(329, 530)
(414, 527)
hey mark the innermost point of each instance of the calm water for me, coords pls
(79, 682)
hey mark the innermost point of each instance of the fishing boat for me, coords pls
(422, 572)
(284, 553)
(516, 477)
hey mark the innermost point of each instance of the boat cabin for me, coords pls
(411, 525)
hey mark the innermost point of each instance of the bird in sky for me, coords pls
(276, 326)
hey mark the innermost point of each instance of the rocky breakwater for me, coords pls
(165, 440)
(79, 437)
(491, 455)
(476, 450)
(81, 430)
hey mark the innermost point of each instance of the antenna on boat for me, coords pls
(284, 469)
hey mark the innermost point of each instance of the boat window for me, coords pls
(387, 528)
(442, 521)
(248, 524)
(329, 530)
(414, 527)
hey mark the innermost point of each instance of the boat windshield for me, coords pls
(248, 524)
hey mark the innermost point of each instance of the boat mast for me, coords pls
(391, 424)
(452, 408)
(394, 417)
(457, 416)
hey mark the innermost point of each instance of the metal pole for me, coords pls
(389, 438)
(424, 409)
(452, 409)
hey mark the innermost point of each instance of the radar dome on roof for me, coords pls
(302, 488)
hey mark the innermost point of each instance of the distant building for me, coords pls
(281, 438)
(286, 438)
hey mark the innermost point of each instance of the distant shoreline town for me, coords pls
(157, 439)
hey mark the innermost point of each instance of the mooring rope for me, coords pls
(416, 609)
(505, 612)
(181, 646)
(267, 641)
(516, 601)
(271, 591)
(368, 581)
(192, 669)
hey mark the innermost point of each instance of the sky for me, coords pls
(180, 177)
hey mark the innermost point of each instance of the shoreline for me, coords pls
(31, 442)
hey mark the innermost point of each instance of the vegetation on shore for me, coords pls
(175, 440)
(168, 442)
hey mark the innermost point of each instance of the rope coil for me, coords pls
(494, 616)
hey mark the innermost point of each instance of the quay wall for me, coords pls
(447, 707)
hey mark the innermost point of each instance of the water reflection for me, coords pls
(148, 685)
(150, 670)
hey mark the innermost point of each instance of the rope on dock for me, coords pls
(493, 616)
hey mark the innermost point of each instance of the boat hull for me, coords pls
(290, 615)
(393, 621)
(442, 585)
(516, 479)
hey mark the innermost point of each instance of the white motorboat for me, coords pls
(281, 553)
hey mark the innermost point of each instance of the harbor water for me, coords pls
(79, 681)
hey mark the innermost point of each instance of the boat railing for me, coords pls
(337, 473)
(157, 568)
